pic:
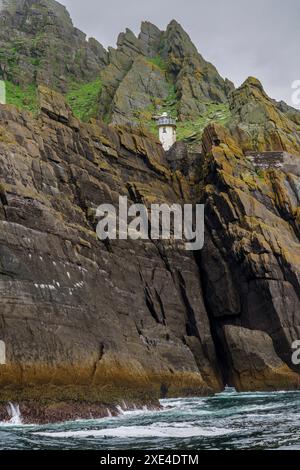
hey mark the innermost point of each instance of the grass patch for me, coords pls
(188, 131)
(191, 131)
(22, 97)
(171, 104)
(159, 106)
(158, 62)
(84, 98)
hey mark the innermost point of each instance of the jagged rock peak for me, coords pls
(259, 123)
(177, 41)
(19, 10)
(251, 89)
(149, 29)
(53, 51)
(253, 82)
(151, 40)
(126, 35)
(150, 36)
(174, 24)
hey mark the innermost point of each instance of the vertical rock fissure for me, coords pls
(191, 324)
(222, 360)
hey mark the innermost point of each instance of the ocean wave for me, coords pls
(127, 432)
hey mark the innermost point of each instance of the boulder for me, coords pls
(254, 362)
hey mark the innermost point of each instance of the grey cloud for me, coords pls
(239, 37)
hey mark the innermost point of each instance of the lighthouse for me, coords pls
(2, 92)
(167, 130)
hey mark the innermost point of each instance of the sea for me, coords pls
(227, 421)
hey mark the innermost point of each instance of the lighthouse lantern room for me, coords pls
(167, 131)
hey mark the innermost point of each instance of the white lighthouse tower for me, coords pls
(2, 92)
(167, 130)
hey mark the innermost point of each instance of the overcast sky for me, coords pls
(240, 37)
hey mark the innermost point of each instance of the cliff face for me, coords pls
(39, 44)
(260, 123)
(119, 320)
(98, 323)
(144, 75)
(158, 69)
(251, 264)
(138, 320)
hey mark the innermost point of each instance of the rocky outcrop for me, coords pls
(143, 76)
(259, 123)
(254, 364)
(143, 86)
(196, 81)
(158, 69)
(100, 322)
(35, 412)
(251, 265)
(292, 113)
(150, 37)
(40, 45)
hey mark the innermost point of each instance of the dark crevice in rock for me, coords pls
(215, 329)
(161, 305)
(97, 361)
(191, 324)
(164, 390)
(151, 307)
(3, 197)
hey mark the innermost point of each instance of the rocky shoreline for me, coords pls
(39, 413)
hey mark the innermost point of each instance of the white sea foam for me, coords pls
(243, 421)
(15, 416)
(125, 432)
(120, 410)
(266, 407)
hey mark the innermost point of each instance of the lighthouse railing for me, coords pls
(166, 121)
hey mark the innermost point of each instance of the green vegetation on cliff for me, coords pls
(159, 62)
(191, 131)
(83, 99)
(40, 45)
(145, 75)
(22, 97)
(187, 131)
